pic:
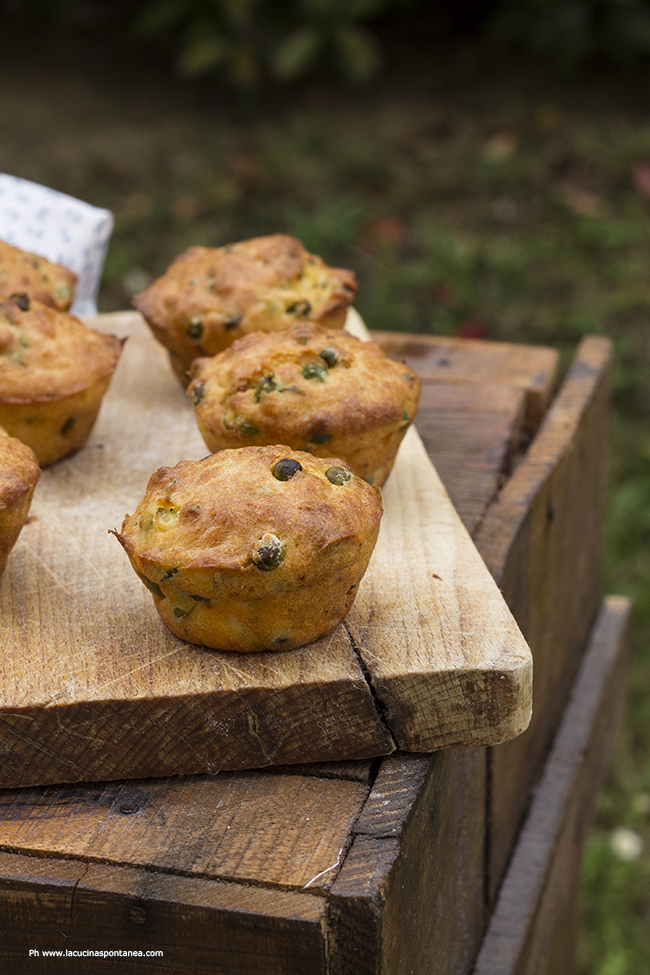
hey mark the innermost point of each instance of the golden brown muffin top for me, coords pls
(305, 379)
(22, 272)
(47, 354)
(247, 513)
(262, 283)
(19, 469)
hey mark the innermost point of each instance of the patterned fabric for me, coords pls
(59, 228)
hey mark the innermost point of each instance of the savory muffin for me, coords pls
(260, 548)
(315, 389)
(22, 272)
(53, 374)
(19, 473)
(211, 296)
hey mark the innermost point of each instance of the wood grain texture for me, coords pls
(471, 433)
(409, 897)
(438, 359)
(286, 831)
(93, 686)
(73, 905)
(532, 930)
(543, 541)
(462, 674)
(362, 770)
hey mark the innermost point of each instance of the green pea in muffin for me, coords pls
(315, 389)
(19, 474)
(53, 375)
(260, 548)
(211, 296)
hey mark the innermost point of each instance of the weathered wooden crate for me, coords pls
(390, 865)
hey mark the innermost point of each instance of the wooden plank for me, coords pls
(354, 771)
(439, 359)
(87, 665)
(88, 668)
(470, 433)
(462, 675)
(532, 931)
(409, 897)
(289, 831)
(234, 929)
(35, 902)
(543, 540)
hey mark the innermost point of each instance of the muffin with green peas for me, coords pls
(315, 389)
(258, 548)
(54, 372)
(19, 474)
(26, 273)
(211, 296)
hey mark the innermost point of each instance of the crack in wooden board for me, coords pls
(94, 687)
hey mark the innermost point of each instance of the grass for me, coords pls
(473, 197)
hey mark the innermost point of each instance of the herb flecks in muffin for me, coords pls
(267, 384)
(285, 469)
(22, 300)
(330, 357)
(405, 419)
(299, 308)
(67, 426)
(314, 370)
(245, 427)
(338, 475)
(165, 517)
(320, 438)
(195, 328)
(152, 586)
(268, 553)
(198, 392)
(232, 321)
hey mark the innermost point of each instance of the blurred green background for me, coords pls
(485, 171)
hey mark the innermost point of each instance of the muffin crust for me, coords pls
(259, 548)
(22, 272)
(209, 297)
(19, 474)
(53, 374)
(312, 388)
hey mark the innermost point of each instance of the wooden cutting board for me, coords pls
(93, 686)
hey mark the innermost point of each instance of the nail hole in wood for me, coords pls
(138, 914)
(129, 808)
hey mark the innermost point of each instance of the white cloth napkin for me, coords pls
(59, 228)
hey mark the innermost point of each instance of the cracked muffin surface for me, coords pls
(211, 296)
(54, 372)
(256, 548)
(312, 388)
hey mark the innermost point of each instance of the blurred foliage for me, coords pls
(615, 906)
(250, 43)
(247, 42)
(570, 32)
(252, 40)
